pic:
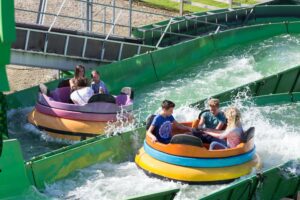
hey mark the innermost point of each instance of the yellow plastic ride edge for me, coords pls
(67, 125)
(180, 173)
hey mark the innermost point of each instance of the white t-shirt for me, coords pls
(82, 96)
(233, 136)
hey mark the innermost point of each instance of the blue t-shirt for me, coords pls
(163, 128)
(211, 121)
(96, 86)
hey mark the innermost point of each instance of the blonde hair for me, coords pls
(233, 116)
(214, 102)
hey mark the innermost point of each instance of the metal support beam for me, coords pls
(51, 61)
(230, 3)
(181, 7)
(133, 10)
(42, 9)
(114, 24)
(194, 18)
(130, 17)
(114, 14)
(89, 16)
(162, 36)
(61, 6)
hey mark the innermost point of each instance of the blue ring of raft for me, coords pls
(199, 162)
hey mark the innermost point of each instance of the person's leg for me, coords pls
(221, 141)
(217, 145)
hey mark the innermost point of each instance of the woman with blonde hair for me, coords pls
(233, 132)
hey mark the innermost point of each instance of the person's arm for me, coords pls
(202, 121)
(182, 127)
(150, 133)
(72, 84)
(220, 135)
(220, 126)
(216, 135)
(211, 130)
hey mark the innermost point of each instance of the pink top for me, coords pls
(233, 136)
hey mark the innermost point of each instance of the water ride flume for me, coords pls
(62, 119)
(17, 176)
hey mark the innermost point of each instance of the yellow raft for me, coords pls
(66, 128)
(194, 175)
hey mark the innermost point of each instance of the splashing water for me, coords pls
(33, 141)
(222, 71)
(125, 122)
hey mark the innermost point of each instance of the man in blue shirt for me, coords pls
(161, 126)
(97, 85)
(214, 119)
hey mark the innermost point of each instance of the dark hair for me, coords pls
(81, 82)
(166, 104)
(95, 72)
(77, 70)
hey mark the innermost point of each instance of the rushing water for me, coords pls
(277, 129)
(222, 71)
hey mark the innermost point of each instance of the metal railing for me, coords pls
(89, 21)
(101, 57)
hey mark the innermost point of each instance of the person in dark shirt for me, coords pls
(161, 127)
(214, 119)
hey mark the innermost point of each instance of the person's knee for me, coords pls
(216, 145)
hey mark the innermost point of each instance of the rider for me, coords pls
(214, 119)
(232, 134)
(98, 85)
(161, 126)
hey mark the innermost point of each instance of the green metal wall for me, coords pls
(7, 37)
(273, 184)
(287, 81)
(13, 177)
(56, 165)
(164, 195)
(261, 14)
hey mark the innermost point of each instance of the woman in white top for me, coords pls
(232, 133)
(83, 93)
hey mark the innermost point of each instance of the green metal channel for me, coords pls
(287, 81)
(260, 14)
(164, 195)
(13, 177)
(7, 37)
(150, 67)
(58, 164)
(273, 184)
(55, 165)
